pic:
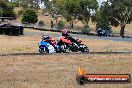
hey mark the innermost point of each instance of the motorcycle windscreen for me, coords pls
(43, 43)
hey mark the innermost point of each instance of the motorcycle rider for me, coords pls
(49, 39)
(66, 35)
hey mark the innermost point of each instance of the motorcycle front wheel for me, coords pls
(43, 50)
(84, 48)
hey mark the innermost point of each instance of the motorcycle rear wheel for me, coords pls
(65, 49)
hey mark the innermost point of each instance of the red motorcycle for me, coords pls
(64, 45)
(68, 44)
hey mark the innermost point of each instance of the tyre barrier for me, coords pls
(11, 30)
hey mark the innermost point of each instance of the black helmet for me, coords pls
(44, 37)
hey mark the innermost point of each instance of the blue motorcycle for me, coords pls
(46, 47)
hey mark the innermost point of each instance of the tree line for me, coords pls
(110, 13)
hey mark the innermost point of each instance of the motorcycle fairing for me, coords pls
(65, 40)
(43, 44)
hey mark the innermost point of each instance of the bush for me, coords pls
(61, 24)
(9, 13)
(30, 16)
(7, 9)
(86, 29)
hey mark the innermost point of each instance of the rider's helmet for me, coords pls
(46, 37)
(65, 32)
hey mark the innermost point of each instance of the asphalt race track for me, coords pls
(81, 36)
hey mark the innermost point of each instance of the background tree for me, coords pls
(70, 10)
(7, 9)
(86, 10)
(1, 12)
(45, 2)
(55, 9)
(120, 13)
(102, 18)
(30, 16)
(35, 4)
(73, 10)
(79, 9)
